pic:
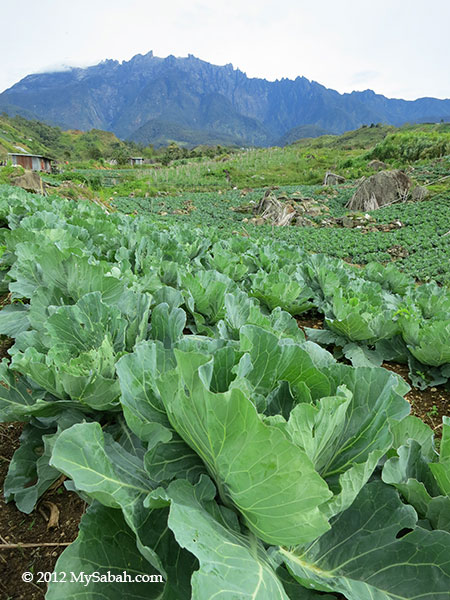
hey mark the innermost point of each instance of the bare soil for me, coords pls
(19, 528)
(430, 405)
(311, 319)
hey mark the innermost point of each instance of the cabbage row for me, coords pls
(161, 371)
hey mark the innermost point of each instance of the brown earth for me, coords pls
(311, 319)
(5, 345)
(31, 182)
(17, 528)
(430, 405)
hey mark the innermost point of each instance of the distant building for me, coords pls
(31, 162)
(136, 160)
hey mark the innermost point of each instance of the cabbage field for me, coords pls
(221, 449)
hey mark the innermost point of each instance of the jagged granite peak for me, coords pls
(188, 100)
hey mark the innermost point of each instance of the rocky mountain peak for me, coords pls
(155, 100)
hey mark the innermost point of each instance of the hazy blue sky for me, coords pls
(400, 48)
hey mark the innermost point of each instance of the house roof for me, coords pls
(31, 155)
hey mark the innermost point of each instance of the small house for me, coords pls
(136, 160)
(31, 162)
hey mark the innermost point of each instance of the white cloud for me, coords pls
(398, 47)
(364, 76)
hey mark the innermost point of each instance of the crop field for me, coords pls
(222, 408)
(422, 233)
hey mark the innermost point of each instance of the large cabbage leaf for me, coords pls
(422, 476)
(251, 463)
(116, 555)
(232, 564)
(365, 555)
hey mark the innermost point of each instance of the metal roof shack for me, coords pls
(136, 160)
(31, 162)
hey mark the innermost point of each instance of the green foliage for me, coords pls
(159, 366)
(421, 476)
(412, 145)
(8, 172)
(39, 138)
(361, 556)
(120, 155)
(362, 311)
(362, 138)
(422, 233)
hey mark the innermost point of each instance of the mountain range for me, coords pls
(154, 100)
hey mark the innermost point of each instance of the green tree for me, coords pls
(120, 154)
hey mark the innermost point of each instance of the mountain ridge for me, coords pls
(218, 102)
